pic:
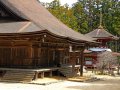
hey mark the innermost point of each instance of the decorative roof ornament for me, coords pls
(100, 26)
(100, 32)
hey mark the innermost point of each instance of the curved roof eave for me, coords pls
(42, 18)
(101, 33)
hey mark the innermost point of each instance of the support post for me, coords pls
(50, 73)
(82, 62)
(36, 75)
(42, 74)
(73, 69)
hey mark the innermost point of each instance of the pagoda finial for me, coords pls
(100, 26)
(100, 17)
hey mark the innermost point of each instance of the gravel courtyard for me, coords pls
(112, 83)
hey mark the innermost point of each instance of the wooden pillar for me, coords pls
(39, 54)
(50, 73)
(31, 51)
(12, 57)
(30, 62)
(82, 62)
(42, 74)
(48, 56)
(73, 68)
(36, 75)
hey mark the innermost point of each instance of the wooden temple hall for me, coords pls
(34, 43)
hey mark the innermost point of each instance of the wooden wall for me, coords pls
(33, 52)
(75, 58)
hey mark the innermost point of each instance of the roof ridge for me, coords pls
(24, 27)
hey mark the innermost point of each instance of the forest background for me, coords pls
(84, 16)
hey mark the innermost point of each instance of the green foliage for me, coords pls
(63, 13)
(84, 15)
(111, 13)
(79, 13)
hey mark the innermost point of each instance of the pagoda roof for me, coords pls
(101, 33)
(37, 18)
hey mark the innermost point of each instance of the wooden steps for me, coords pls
(66, 71)
(18, 76)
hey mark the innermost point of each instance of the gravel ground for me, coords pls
(105, 84)
(99, 85)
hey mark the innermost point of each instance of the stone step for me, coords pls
(18, 76)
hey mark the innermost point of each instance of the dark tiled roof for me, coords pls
(34, 12)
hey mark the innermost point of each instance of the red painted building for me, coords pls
(103, 36)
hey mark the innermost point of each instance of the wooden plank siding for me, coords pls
(75, 58)
(33, 52)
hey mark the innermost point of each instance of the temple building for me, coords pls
(102, 36)
(34, 43)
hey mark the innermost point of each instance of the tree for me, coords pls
(106, 60)
(63, 13)
(111, 15)
(79, 13)
(84, 15)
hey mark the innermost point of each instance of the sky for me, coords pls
(69, 2)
